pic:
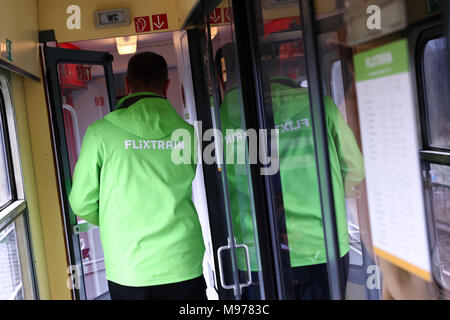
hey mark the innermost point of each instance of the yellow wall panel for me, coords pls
(26, 157)
(52, 15)
(47, 190)
(19, 23)
(185, 9)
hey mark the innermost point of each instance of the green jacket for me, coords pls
(125, 183)
(298, 173)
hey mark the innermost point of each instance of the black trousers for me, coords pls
(305, 283)
(311, 282)
(194, 289)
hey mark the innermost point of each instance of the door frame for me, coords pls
(212, 176)
(53, 57)
(419, 36)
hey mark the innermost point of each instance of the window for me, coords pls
(435, 85)
(440, 195)
(437, 93)
(6, 194)
(16, 272)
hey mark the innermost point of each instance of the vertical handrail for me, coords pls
(76, 127)
(215, 117)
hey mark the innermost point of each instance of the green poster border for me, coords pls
(399, 64)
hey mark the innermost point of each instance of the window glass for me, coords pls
(287, 108)
(5, 186)
(440, 183)
(10, 271)
(287, 103)
(16, 271)
(85, 100)
(437, 92)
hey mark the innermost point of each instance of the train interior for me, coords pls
(44, 243)
(80, 112)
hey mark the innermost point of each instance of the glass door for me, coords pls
(290, 167)
(309, 187)
(229, 148)
(81, 91)
(308, 229)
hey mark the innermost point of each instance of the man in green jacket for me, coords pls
(125, 183)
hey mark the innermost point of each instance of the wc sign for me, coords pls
(156, 22)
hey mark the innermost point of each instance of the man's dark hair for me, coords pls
(147, 69)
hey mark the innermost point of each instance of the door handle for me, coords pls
(219, 259)
(247, 258)
(249, 270)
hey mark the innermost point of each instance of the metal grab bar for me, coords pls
(219, 258)
(249, 270)
(247, 258)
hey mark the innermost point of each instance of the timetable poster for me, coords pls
(390, 144)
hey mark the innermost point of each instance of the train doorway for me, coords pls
(85, 80)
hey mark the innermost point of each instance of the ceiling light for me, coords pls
(126, 45)
(214, 31)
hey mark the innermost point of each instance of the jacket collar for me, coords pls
(131, 99)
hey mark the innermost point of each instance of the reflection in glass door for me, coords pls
(85, 100)
(220, 107)
(278, 75)
(82, 92)
(230, 120)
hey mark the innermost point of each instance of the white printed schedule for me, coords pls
(390, 146)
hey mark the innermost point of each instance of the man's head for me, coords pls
(147, 72)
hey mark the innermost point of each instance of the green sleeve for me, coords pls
(84, 196)
(350, 158)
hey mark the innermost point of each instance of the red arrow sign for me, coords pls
(216, 16)
(227, 15)
(142, 24)
(160, 22)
